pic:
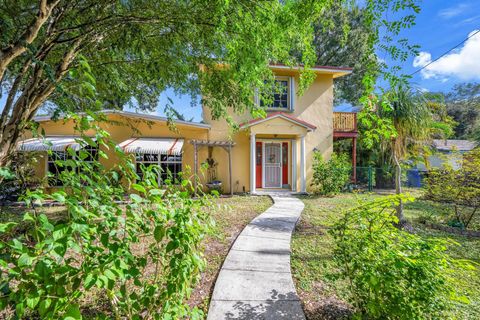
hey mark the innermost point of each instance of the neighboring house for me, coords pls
(275, 152)
(450, 151)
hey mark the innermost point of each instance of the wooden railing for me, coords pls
(344, 121)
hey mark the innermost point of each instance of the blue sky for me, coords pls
(441, 25)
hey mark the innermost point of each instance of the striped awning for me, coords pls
(57, 143)
(171, 146)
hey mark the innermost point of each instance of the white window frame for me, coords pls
(290, 94)
(159, 163)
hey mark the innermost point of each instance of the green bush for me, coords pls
(19, 176)
(459, 187)
(330, 177)
(142, 258)
(392, 274)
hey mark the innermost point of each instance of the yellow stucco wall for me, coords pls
(315, 106)
(122, 128)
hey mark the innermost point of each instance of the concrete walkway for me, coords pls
(255, 281)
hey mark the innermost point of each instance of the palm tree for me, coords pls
(412, 119)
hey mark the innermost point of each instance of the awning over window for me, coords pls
(153, 145)
(60, 143)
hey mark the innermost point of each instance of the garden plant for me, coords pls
(459, 187)
(391, 273)
(330, 177)
(142, 257)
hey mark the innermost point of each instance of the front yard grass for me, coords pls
(312, 263)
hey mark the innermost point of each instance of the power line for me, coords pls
(477, 31)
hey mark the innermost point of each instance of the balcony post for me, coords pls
(354, 159)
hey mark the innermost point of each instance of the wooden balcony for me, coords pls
(345, 125)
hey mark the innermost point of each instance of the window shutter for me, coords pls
(292, 93)
(256, 97)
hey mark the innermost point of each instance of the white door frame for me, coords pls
(263, 161)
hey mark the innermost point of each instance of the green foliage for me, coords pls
(342, 39)
(143, 257)
(393, 274)
(460, 187)
(463, 104)
(330, 177)
(19, 176)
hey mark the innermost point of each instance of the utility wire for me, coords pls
(445, 53)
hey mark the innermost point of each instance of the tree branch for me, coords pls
(13, 92)
(9, 53)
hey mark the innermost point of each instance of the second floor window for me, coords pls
(282, 95)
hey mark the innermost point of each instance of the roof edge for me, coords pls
(136, 115)
(336, 71)
(308, 126)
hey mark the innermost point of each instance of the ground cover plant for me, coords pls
(229, 214)
(313, 265)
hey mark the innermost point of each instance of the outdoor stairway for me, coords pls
(255, 281)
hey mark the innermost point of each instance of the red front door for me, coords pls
(258, 165)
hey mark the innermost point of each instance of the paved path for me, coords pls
(255, 281)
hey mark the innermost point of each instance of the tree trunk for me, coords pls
(398, 190)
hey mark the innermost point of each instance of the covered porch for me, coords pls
(277, 153)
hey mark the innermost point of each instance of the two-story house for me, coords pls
(275, 152)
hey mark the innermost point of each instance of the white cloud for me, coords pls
(422, 59)
(463, 63)
(453, 11)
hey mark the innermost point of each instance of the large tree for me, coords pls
(137, 48)
(343, 40)
(463, 105)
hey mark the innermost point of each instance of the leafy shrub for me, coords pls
(19, 177)
(459, 187)
(143, 257)
(392, 274)
(330, 177)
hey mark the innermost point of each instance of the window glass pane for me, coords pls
(168, 166)
(150, 157)
(280, 95)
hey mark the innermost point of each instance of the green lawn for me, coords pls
(312, 256)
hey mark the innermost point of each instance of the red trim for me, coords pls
(285, 163)
(354, 160)
(341, 134)
(281, 114)
(258, 165)
(173, 146)
(313, 67)
(133, 140)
